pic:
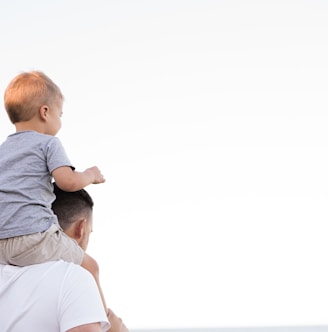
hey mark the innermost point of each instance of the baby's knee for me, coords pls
(91, 265)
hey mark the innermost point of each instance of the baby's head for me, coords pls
(27, 93)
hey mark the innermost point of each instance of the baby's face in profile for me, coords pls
(53, 118)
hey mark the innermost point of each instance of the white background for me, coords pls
(209, 120)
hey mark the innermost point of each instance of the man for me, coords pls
(54, 297)
(74, 211)
(57, 296)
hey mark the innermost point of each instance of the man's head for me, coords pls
(74, 213)
(27, 93)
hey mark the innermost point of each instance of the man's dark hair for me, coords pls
(68, 206)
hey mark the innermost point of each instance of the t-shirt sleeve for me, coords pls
(80, 301)
(56, 155)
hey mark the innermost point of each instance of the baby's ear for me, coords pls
(43, 111)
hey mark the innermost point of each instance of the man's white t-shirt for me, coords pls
(48, 297)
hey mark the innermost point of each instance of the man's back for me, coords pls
(55, 296)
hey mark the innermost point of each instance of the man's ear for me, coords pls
(80, 228)
(43, 111)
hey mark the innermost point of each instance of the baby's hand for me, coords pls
(98, 177)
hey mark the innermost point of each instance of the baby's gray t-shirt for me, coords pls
(27, 160)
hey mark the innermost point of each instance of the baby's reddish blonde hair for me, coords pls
(27, 92)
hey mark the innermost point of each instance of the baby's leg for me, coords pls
(92, 266)
(50, 245)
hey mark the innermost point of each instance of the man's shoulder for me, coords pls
(66, 276)
(59, 265)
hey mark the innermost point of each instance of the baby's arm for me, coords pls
(70, 180)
